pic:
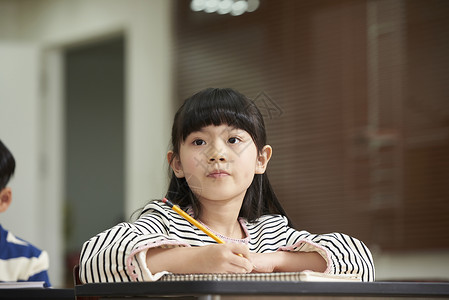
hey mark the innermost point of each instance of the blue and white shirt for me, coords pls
(21, 261)
(119, 253)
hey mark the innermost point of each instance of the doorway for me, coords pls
(94, 141)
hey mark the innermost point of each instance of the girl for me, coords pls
(218, 161)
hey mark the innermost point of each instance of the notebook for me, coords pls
(21, 284)
(280, 276)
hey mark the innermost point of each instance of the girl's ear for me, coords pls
(5, 198)
(175, 164)
(263, 158)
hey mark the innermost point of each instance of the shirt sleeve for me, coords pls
(42, 274)
(119, 253)
(343, 254)
(22, 261)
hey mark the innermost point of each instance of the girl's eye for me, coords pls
(234, 140)
(199, 142)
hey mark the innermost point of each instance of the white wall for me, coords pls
(19, 123)
(32, 104)
(428, 265)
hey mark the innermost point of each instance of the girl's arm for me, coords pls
(118, 253)
(286, 261)
(343, 254)
(217, 258)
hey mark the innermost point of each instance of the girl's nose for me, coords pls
(216, 156)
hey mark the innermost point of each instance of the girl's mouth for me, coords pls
(218, 174)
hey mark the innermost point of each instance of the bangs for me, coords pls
(217, 107)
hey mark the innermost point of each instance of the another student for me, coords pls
(19, 260)
(218, 159)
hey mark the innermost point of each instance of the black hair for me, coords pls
(7, 165)
(217, 106)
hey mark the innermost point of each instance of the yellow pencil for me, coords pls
(192, 220)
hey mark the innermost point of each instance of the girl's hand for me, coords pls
(218, 258)
(224, 258)
(284, 261)
(263, 262)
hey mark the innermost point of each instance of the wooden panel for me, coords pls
(342, 137)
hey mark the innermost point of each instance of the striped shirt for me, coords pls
(119, 254)
(21, 261)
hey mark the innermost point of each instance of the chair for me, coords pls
(76, 275)
(77, 281)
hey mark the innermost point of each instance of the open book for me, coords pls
(281, 276)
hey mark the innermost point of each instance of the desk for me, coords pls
(264, 289)
(31, 293)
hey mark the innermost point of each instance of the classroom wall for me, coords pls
(33, 35)
(426, 265)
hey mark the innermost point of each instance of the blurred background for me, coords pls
(355, 96)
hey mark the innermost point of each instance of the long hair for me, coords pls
(214, 106)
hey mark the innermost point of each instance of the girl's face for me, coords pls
(219, 162)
